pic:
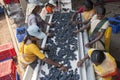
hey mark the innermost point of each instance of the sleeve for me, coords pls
(36, 51)
(49, 9)
(105, 26)
(93, 18)
(112, 59)
(90, 52)
(109, 56)
(81, 9)
(21, 48)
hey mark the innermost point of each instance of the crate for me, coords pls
(7, 70)
(21, 33)
(114, 20)
(1, 10)
(7, 1)
(115, 28)
(7, 51)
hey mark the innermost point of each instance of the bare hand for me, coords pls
(75, 31)
(45, 48)
(63, 68)
(52, 23)
(79, 63)
(74, 22)
(50, 35)
(88, 45)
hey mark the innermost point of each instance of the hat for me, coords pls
(34, 30)
(52, 2)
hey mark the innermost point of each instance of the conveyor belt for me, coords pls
(86, 72)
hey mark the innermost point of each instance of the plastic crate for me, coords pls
(7, 51)
(7, 70)
(114, 20)
(7, 1)
(15, 1)
(1, 10)
(115, 28)
(21, 33)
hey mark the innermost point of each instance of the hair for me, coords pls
(51, 5)
(88, 4)
(26, 38)
(97, 56)
(29, 37)
(36, 9)
(101, 10)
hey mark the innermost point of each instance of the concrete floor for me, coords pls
(4, 31)
(112, 9)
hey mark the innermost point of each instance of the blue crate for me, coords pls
(17, 76)
(115, 28)
(114, 20)
(119, 27)
(5, 59)
(1, 10)
(21, 32)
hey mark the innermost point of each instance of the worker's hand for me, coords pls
(52, 24)
(63, 68)
(79, 63)
(50, 35)
(74, 22)
(71, 20)
(88, 45)
(44, 48)
(75, 32)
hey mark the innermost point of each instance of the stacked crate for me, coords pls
(7, 66)
(7, 70)
(115, 24)
(7, 51)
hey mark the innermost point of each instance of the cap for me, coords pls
(52, 2)
(34, 30)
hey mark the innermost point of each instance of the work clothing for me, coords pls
(107, 68)
(28, 53)
(94, 22)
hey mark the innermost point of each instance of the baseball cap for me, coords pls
(52, 2)
(34, 30)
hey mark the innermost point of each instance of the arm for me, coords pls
(86, 22)
(73, 16)
(98, 36)
(83, 28)
(49, 61)
(79, 63)
(46, 23)
(35, 50)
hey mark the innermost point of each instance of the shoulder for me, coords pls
(90, 51)
(31, 16)
(94, 17)
(32, 45)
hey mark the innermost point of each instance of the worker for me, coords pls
(58, 4)
(87, 10)
(29, 50)
(104, 64)
(48, 9)
(98, 25)
(35, 19)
